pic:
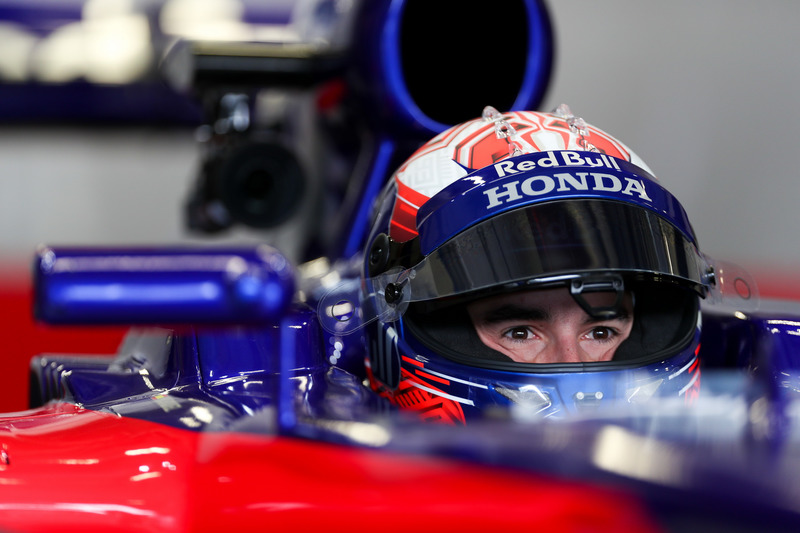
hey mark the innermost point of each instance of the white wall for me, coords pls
(92, 186)
(706, 92)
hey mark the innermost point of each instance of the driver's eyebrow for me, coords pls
(512, 313)
(509, 312)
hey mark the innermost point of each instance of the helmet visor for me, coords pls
(545, 241)
(536, 244)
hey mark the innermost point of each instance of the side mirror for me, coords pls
(161, 286)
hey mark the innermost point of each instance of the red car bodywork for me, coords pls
(65, 469)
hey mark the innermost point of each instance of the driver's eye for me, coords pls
(601, 333)
(518, 333)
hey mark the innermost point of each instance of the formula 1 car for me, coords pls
(262, 425)
(233, 404)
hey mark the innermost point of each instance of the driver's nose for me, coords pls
(564, 348)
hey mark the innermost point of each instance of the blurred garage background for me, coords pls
(95, 150)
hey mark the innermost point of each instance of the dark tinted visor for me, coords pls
(548, 240)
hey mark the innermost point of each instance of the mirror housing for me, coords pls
(161, 285)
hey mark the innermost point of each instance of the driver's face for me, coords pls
(548, 326)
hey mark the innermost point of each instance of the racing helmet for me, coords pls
(525, 201)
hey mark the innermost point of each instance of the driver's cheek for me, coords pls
(529, 352)
(593, 350)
